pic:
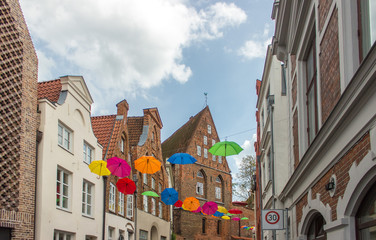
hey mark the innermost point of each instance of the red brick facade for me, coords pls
(324, 6)
(18, 121)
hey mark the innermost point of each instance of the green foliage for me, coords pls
(173, 236)
(243, 184)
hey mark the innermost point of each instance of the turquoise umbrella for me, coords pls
(225, 148)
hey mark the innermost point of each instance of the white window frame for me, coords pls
(64, 137)
(121, 204)
(122, 141)
(112, 197)
(153, 206)
(200, 188)
(145, 203)
(65, 235)
(160, 206)
(213, 142)
(198, 150)
(129, 206)
(205, 140)
(209, 129)
(88, 153)
(218, 192)
(87, 198)
(62, 175)
(219, 159)
(205, 153)
(153, 183)
(111, 233)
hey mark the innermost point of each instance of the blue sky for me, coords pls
(160, 53)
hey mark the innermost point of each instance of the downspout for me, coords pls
(39, 136)
(271, 108)
(260, 193)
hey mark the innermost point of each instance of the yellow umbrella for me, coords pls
(99, 167)
(222, 210)
(226, 217)
(191, 204)
(147, 164)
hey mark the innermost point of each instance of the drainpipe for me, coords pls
(39, 136)
(104, 207)
(260, 193)
(271, 108)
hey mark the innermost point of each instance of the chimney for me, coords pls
(122, 108)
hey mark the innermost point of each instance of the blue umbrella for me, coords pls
(218, 214)
(182, 158)
(169, 196)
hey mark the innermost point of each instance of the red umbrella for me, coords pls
(209, 208)
(126, 186)
(118, 167)
(178, 203)
(235, 211)
(240, 203)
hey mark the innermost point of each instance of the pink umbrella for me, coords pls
(118, 167)
(209, 208)
(197, 210)
(235, 219)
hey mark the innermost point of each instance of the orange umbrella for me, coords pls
(147, 164)
(191, 204)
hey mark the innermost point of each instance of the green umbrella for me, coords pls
(150, 193)
(225, 148)
(244, 218)
(230, 214)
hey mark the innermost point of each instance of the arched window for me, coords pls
(218, 188)
(199, 174)
(366, 216)
(316, 228)
(201, 183)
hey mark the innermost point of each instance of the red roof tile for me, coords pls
(50, 90)
(103, 127)
(135, 125)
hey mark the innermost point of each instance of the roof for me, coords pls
(135, 126)
(103, 127)
(49, 90)
(179, 140)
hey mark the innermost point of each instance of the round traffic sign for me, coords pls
(272, 217)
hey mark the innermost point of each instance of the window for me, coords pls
(203, 225)
(145, 178)
(205, 140)
(205, 153)
(88, 153)
(200, 188)
(87, 196)
(209, 129)
(311, 93)
(129, 206)
(160, 187)
(111, 235)
(198, 150)
(160, 210)
(220, 159)
(262, 119)
(62, 189)
(218, 179)
(214, 158)
(199, 174)
(152, 183)
(145, 202)
(121, 204)
(217, 192)
(143, 235)
(112, 196)
(316, 229)
(213, 142)
(64, 137)
(368, 25)
(58, 235)
(163, 238)
(122, 141)
(153, 206)
(366, 216)
(219, 224)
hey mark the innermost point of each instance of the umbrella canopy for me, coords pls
(191, 204)
(150, 193)
(209, 208)
(222, 209)
(118, 167)
(235, 211)
(226, 217)
(147, 164)
(244, 218)
(225, 148)
(218, 214)
(235, 219)
(239, 203)
(169, 196)
(230, 214)
(126, 186)
(182, 158)
(178, 203)
(99, 167)
(197, 210)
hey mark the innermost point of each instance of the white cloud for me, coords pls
(256, 47)
(248, 149)
(123, 45)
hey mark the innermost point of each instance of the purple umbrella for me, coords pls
(209, 208)
(197, 210)
(118, 167)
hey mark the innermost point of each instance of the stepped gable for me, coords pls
(49, 90)
(179, 140)
(135, 126)
(103, 127)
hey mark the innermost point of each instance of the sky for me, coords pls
(160, 53)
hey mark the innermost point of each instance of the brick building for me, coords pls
(112, 134)
(209, 179)
(18, 124)
(328, 49)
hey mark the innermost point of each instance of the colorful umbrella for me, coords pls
(218, 214)
(226, 217)
(225, 148)
(191, 204)
(178, 204)
(169, 196)
(126, 186)
(235, 211)
(118, 167)
(150, 193)
(182, 158)
(229, 214)
(239, 203)
(99, 167)
(243, 226)
(147, 164)
(197, 210)
(209, 208)
(235, 219)
(244, 218)
(222, 209)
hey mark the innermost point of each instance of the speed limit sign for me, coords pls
(272, 219)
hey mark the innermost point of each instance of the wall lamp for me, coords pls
(330, 185)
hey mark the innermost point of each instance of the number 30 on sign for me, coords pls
(272, 219)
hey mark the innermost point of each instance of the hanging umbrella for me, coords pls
(235, 219)
(126, 186)
(150, 193)
(225, 148)
(218, 214)
(182, 158)
(197, 210)
(147, 164)
(222, 209)
(243, 226)
(235, 211)
(209, 208)
(169, 196)
(239, 203)
(178, 204)
(99, 167)
(230, 214)
(118, 167)
(244, 218)
(226, 217)
(191, 204)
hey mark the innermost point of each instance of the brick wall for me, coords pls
(323, 7)
(293, 64)
(299, 210)
(18, 121)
